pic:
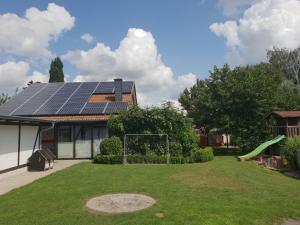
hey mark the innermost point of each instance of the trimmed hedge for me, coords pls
(147, 159)
(108, 159)
(203, 155)
(111, 146)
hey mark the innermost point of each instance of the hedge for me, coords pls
(147, 159)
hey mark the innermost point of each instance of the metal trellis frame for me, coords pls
(160, 135)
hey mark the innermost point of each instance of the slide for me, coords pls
(260, 149)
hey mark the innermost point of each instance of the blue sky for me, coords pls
(163, 45)
(180, 28)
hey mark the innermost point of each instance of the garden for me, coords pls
(153, 136)
(222, 191)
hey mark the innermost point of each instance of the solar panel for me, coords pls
(69, 111)
(115, 107)
(94, 108)
(58, 100)
(64, 99)
(78, 99)
(105, 88)
(20, 99)
(127, 86)
(35, 102)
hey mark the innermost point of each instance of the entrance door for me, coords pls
(48, 140)
(65, 142)
(83, 142)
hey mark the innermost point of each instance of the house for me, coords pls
(79, 112)
(19, 137)
(286, 123)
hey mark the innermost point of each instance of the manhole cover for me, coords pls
(119, 203)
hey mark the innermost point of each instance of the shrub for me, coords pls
(154, 120)
(108, 159)
(203, 155)
(147, 159)
(111, 146)
(289, 150)
(178, 160)
(175, 148)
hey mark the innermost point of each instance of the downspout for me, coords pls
(39, 132)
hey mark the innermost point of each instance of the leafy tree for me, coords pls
(155, 121)
(56, 71)
(288, 61)
(237, 101)
(4, 98)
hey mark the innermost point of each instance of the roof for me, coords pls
(286, 114)
(76, 118)
(47, 99)
(23, 120)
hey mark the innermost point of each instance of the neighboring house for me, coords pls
(286, 123)
(79, 110)
(18, 140)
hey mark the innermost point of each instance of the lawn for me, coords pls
(223, 191)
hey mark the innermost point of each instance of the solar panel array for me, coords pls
(20, 99)
(64, 99)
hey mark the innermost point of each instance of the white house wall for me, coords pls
(28, 136)
(8, 146)
(9, 136)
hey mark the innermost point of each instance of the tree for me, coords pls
(288, 61)
(4, 98)
(155, 121)
(237, 101)
(56, 71)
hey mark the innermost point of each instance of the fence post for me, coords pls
(168, 149)
(124, 151)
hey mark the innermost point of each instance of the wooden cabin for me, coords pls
(286, 123)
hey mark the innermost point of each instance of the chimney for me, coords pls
(118, 89)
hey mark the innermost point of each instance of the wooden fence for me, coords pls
(289, 131)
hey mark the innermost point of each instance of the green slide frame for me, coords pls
(261, 148)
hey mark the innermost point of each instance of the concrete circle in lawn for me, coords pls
(119, 203)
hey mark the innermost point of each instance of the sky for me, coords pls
(164, 46)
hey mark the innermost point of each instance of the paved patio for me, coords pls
(21, 177)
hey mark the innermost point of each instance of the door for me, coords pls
(48, 140)
(99, 134)
(83, 142)
(65, 142)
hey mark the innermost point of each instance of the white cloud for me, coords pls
(38, 77)
(87, 37)
(233, 7)
(137, 58)
(267, 23)
(30, 35)
(16, 74)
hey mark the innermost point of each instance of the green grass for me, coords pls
(223, 191)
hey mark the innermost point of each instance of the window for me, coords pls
(65, 134)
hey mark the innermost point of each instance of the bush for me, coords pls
(289, 150)
(154, 120)
(203, 155)
(108, 159)
(146, 159)
(111, 146)
(175, 148)
(178, 160)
